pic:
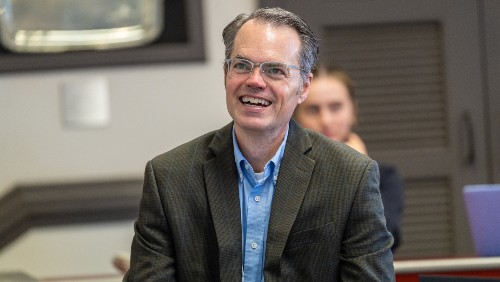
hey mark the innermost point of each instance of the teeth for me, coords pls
(255, 101)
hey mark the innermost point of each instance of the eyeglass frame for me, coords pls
(253, 65)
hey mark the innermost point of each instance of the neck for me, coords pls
(259, 148)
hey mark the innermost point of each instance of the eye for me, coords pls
(242, 66)
(312, 110)
(275, 70)
(335, 107)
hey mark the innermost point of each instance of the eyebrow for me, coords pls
(242, 57)
(312, 106)
(245, 58)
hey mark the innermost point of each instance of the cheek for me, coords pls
(231, 87)
(345, 119)
(286, 97)
(344, 116)
(309, 121)
(316, 126)
(294, 89)
(289, 83)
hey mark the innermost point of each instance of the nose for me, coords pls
(255, 78)
(325, 119)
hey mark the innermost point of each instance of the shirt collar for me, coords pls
(274, 162)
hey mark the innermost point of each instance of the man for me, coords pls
(262, 198)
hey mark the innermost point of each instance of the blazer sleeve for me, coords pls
(366, 247)
(153, 254)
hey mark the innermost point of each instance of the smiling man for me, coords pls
(262, 199)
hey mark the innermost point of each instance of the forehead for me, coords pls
(261, 42)
(326, 89)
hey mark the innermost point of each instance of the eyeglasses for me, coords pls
(271, 70)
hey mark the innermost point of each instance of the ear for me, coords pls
(305, 88)
(225, 73)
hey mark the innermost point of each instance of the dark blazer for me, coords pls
(327, 221)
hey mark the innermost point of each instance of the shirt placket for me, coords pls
(256, 215)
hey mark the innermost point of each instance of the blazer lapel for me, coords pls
(293, 180)
(221, 178)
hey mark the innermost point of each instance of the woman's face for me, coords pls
(329, 109)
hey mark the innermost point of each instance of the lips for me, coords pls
(254, 102)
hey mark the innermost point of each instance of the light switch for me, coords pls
(86, 103)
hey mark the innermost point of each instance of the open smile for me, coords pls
(254, 102)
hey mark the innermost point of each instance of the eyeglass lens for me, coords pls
(273, 70)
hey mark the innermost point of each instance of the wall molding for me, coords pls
(29, 206)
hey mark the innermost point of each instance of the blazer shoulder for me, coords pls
(195, 150)
(199, 149)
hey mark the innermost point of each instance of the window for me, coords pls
(180, 40)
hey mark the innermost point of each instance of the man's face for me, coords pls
(257, 103)
(328, 109)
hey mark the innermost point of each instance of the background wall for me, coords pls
(153, 109)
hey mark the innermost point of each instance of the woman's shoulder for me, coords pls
(355, 142)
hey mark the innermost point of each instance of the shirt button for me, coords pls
(254, 245)
(246, 166)
(257, 198)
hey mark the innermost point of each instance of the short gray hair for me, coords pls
(279, 17)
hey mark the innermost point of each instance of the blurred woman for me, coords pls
(331, 109)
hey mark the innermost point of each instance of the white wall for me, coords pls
(68, 251)
(153, 109)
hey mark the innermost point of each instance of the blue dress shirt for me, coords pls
(256, 197)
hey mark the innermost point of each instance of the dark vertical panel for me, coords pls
(398, 70)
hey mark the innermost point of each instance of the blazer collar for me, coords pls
(293, 181)
(221, 180)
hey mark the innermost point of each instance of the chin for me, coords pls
(251, 126)
(335, 138)
(329, 136)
